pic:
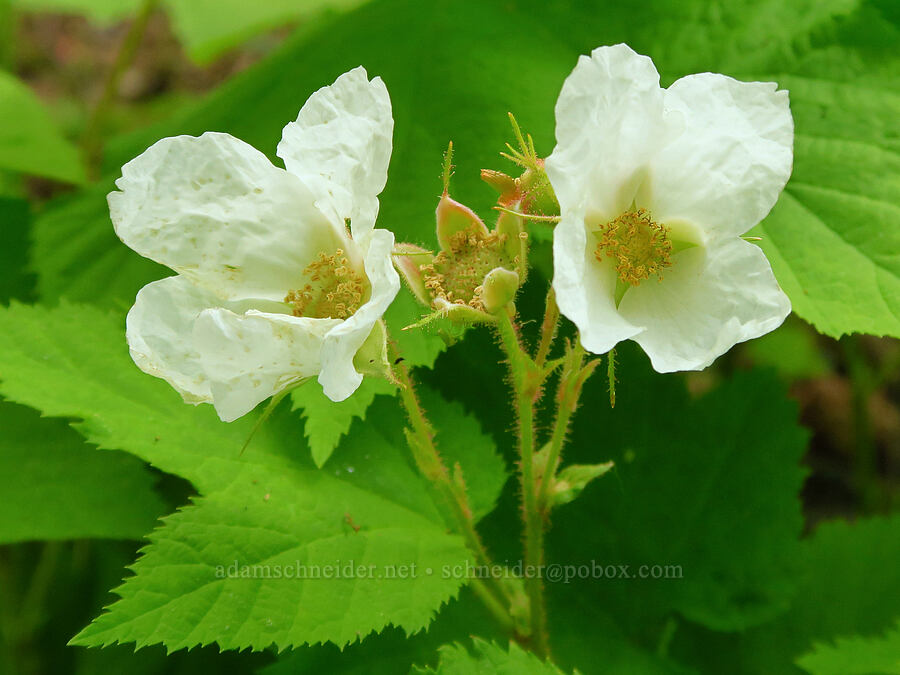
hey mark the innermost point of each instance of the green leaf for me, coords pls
(15, 280)
(792, 350)
(30, 142)
(856, 656)
(848, 582)
(487, 658)
(833, 237)
(327, 421)
(209, 27)
(711, 490)
(267, 506)
(53, 486)
(462, 442)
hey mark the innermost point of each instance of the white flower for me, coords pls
(656, 187)
(271, 287)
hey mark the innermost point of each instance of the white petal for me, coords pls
(216, 210)
(340, 146)
(708, 301)
(159, 331)
(609, 122)
(339, 378)
(585, 288)
(725, 172)
(249, 357)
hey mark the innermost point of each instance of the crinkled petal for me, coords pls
(340, 146)
(609, 122)
(585, 288)
(249, 357)
(339, 378)
(159, 331)
(726, 170)
(217, 211)
(708, 301)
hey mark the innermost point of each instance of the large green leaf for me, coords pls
(856, 656)
(710, 489)
(834, 237)
(53, 486)
(267, 506)
(209, 27)
(849, 584)
(30, 141)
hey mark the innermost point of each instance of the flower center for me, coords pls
(640, 246)
(457, 275)
(336, 291)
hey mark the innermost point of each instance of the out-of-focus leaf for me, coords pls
(792, 350)
(209, 27)
(30, 141)
(856, 656)
(703, 495)
(16, 282)
(53, 486)
(849, 584)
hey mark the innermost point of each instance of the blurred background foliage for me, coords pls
(86, 85)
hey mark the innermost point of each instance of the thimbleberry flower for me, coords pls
(271, 285)
(656, 187)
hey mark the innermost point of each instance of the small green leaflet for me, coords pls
(269, 507)
(856, 656)
(487, 658)
(326, 420)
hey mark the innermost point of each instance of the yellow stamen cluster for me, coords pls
(336, 291)
(639, 245)
(456, 275)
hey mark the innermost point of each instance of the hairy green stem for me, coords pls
(548, 329)
(526, 380)
(567, 396)
(452, 492)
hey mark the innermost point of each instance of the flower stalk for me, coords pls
(527, 378)
(452, 492)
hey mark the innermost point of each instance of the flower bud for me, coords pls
(572, 480)
(499, 289)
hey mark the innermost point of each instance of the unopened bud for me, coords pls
(499, 289)
(572, 480)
